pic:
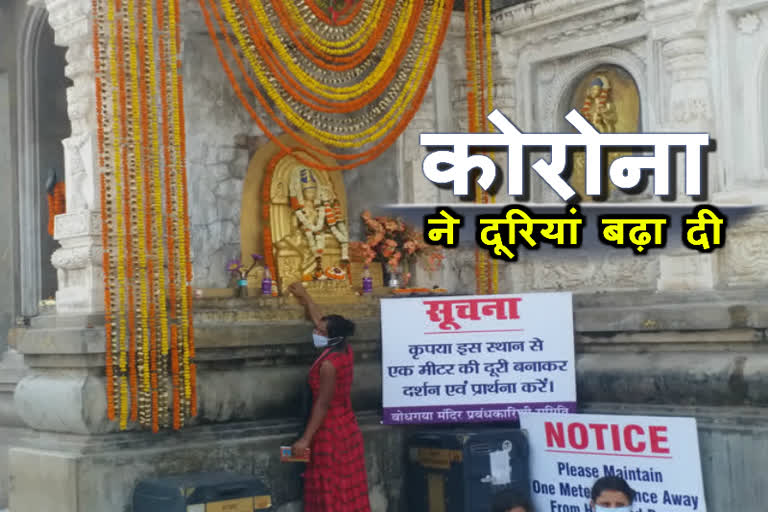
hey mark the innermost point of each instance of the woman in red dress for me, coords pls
(335, 479)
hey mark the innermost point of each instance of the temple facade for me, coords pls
(673, 332)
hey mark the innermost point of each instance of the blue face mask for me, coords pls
(628, 508)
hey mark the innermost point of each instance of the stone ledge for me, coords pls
(195, 435)
(683, 378)
(742, 419)
(77, 403)
(208, 335)
(99, 473)
(671, 340)
(223, 324)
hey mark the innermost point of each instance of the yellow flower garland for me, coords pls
(181, 266)
(331, 33)
(327, 91)
(129, 158)
(138, 197)
(119, 222)
(355, 114)
(354, 42)
(157, 184)
(365, 136)
(487, 269)
(489, 109)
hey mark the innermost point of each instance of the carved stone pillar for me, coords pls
(78, 261)
(684, 79)
(688, 106)
(507, 57)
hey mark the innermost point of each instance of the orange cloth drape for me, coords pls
(57, 204)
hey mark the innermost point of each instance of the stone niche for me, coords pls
(608, 98)
(604, 86)
(267, 222)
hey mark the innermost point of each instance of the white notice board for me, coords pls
(476, 358)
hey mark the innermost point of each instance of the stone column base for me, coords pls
(99, 473)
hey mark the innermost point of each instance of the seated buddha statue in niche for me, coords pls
(307, 223)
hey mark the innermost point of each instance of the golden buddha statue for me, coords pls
(307, 227)
(317, 219)
(610, 109)
(296, 217)
(598, 107)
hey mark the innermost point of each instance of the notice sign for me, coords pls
(476, 358)
(658, 458)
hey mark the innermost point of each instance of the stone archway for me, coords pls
(42, 124)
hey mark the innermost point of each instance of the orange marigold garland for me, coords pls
(165, 391)
(149, 373)
(477, 18)
(57, 204)
(101, 36)
(389, 79)
(269, 258)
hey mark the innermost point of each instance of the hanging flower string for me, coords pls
(145, 231)
(477, 18)
(389, 82)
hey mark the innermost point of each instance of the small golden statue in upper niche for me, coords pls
(608, 98)
(598, 108)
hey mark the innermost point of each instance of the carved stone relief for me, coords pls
(554, 97)
(748, 23)
(607, 270)
(563, 23)
(745, 255)
(686, 64)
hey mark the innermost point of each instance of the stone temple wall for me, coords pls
(698, 67)
(217, 165)
(681, 55)
(653, 334)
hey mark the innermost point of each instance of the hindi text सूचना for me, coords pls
(442, 311)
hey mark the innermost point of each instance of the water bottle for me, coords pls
(266, 283)
(367, 280)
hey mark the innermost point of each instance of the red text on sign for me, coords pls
(610, 438)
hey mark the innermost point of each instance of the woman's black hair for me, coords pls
(338, 326)
(612, 483)
(508, 500)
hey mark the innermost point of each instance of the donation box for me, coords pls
(202, 492)
(461, 471)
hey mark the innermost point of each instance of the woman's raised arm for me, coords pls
(312, 309)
